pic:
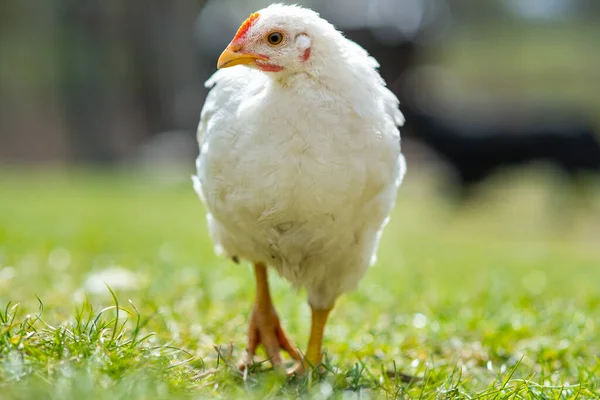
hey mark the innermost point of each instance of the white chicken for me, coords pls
(299, 164)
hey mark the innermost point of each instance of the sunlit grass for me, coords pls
(498, 298)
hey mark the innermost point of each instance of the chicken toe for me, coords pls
(265, 327)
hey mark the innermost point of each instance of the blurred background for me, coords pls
(501, 97)
(495, 238)
(483, 84)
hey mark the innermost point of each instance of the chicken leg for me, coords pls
(317, 330)
(314, 351)
(265, 327)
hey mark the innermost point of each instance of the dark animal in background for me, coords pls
(476, 150)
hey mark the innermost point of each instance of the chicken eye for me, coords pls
(274, 38)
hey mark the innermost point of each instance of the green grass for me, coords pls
(496, 299)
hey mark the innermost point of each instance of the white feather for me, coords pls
(300, 170)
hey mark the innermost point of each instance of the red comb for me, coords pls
(245, 26)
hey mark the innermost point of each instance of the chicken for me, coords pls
(299, 165)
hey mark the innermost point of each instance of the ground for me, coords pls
(497, 298)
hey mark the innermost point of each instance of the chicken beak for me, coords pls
(231, 56)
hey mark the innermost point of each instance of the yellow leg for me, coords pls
(263, 295)
(315, 343)
(265, 327)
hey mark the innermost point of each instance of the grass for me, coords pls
(495, 299)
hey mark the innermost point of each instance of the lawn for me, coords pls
(497, 298)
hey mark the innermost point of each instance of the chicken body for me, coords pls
(299, 169)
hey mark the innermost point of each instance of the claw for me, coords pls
(265, 328)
